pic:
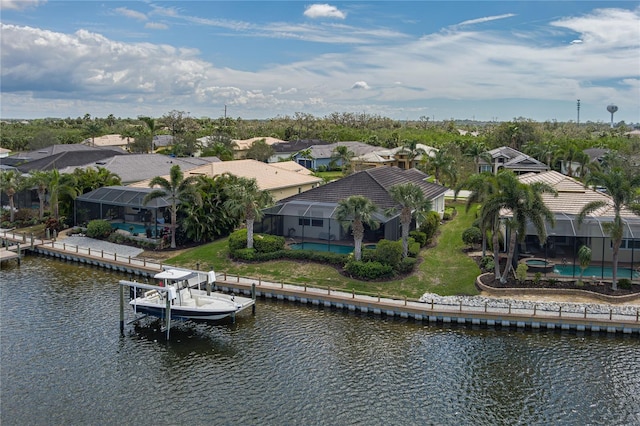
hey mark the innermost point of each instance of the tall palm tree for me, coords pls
(525, 204)
(12, 182)
(442, 163)
(60, 186)
(176, 189)
(39, 179)
(412, 203)
(151, 127)
(357, 211)
(412, 150)
(569, 155)
(623, 191)
(477, 151)
(246, 200)
(481, 186)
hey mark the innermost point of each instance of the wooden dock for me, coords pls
(9, 253)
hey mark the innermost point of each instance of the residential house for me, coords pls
(280, 180)
(567, 236)
(400, 157)
(324, 156)
(286, 150)
(311, 214)
(511, 159)
(113, 141)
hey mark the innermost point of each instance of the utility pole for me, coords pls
(578, 112)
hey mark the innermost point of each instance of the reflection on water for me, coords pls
(64, 362)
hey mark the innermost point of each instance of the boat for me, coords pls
(188, 300)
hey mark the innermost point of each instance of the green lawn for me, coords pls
(444, 269)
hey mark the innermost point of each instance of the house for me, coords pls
(511, 159)
(400, 157)
(242, 145)
(162, 141)
(4, 152)
(324, 156)
(61, 156)
(280, 180)
(113, 141)
(567, 236)
(134, 168)
(286, 150)
(311, 214)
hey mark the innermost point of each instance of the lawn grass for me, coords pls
(329, 176)
(444, 269)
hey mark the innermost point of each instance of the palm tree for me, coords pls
(525, 205)
(151, 127)
(412, 150)
(12, 182)
(177, 189)
(342, 155)
(40, 180)
(246, 200)
(60, 186)
(478, 151)
(357, 211)
(623, 191)
(93, 130)
(569, 155)
(481, 185)
(412, 202)
(584, 257)
(440, 164)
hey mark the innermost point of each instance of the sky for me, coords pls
(475, 60)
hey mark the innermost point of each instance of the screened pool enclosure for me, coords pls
(124, 208)
(304, 221)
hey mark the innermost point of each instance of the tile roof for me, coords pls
(137, 167)
(268, 177)
(373, 184)
(69, 159)
(297, 145)
(327, 150)
(572, 195)
(107, 140)
(244, 144)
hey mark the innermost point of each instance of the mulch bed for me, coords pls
(588, 285)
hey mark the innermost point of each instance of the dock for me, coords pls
(532, 317)
(9, 253)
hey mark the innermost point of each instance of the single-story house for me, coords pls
(567, 236)
(310, 216)
(280, 180)
(511, 159)
(286, 150)
(399, 157)
(317, 156)
(113, 140)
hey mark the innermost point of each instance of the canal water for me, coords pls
(64, 361)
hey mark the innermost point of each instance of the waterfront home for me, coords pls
(567, 236)
(310, 216)
(280, 180)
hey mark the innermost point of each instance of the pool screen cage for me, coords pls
(303, 221)
(123, 205)
(565, 239)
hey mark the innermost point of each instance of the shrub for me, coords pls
(414, 248)
(420, 237)
(25, 215)
(245, 254)
(486, 263)
(368, 270)
(388, 252)
(54, 224)
(99, 229)
(407, 265)
(430, 224)
(521, 272)
(537, 277)
(624, 283)
(471, 236)
(264, 243)
(238, 240)
(449, 213)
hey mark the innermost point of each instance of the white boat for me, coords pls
(188, 300)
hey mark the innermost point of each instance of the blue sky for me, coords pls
(483, 60)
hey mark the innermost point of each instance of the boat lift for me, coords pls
(134, 286)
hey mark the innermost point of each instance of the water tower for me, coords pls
(612, 109)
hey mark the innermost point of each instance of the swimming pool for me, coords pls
(137, 228)
(597, 271)
(333, 248)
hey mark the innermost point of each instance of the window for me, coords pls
(629, 244)
(304, 221)
(317, 222)
(485, 168)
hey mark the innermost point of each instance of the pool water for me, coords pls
(597, 271)
(533, 262)
(333, 248)
(137, 228)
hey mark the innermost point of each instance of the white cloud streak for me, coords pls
(485, 19)
(133, 14)
(20, 4)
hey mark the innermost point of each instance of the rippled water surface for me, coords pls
(65, 362)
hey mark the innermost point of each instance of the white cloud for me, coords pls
(577, 41)
(485, 19)
(360, 85)
(156, 26)
(134, 14)
(324, 11)
(20, 4)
